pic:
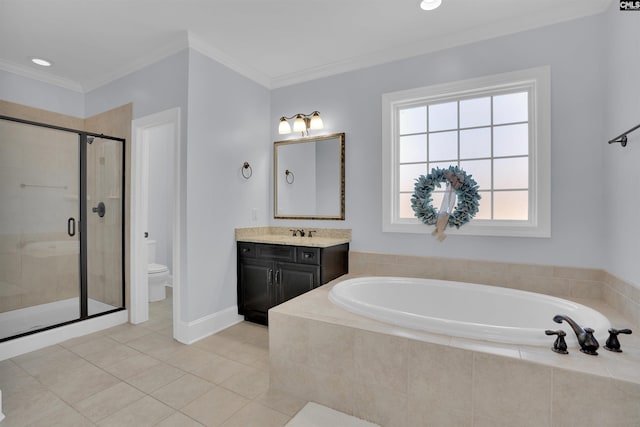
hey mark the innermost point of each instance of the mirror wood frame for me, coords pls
(276, 144)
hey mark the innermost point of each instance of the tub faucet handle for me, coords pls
(588, 343)
(559, 345)
(612, 343)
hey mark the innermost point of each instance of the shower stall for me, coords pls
(61, 226)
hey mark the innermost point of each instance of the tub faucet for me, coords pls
(588, 343)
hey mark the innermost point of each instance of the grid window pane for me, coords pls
(443, 116)
(441, 165)
(443, 146)
(413, 120)
(475, 112)
(511, 173)
(480, 171)
(495, 129)
(511, 108)
(408, 175)
(406, 211)
(511, 205)
(413, 148)
(475, 143)
(484, 210)
(511, 140)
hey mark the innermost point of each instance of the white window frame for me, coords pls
(537, 82)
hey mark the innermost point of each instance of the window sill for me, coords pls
(476, 228)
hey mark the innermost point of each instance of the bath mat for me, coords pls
(314, 415)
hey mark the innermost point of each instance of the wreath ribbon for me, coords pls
(458, 182)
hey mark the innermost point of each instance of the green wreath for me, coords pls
(466, 191)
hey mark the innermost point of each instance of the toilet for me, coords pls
(158, 275)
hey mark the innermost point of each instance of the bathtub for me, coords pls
(465, 310)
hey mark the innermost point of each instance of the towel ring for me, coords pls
(246, 174)
(288, 173)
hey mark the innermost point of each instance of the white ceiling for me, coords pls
(274, 42)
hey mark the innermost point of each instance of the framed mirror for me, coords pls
(309, 178)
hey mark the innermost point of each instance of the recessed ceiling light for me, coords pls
(41, 62)
(430, 4)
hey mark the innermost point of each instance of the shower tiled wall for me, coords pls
(106, 268)
(33, 269)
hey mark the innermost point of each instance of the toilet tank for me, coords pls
(151, 250)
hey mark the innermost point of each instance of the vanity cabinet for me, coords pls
(270, 274)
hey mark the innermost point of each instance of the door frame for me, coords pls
(140, 129)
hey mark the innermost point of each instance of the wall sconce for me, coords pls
(302, 123)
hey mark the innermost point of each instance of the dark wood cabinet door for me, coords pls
(256, 277)
(296, 279)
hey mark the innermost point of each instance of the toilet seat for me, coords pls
(157, 268)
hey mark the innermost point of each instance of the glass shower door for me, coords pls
(104, 228)
(39, 229)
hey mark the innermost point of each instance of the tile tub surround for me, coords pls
(323, 237)
(395, 376)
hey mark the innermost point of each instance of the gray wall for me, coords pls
(228, 125)
(37, 94)
(621, 166)
(351, 102)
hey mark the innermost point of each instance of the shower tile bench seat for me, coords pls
(395, 376)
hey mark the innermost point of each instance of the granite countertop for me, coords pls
(322, 238)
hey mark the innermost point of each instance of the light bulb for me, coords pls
(41, 62)
(299, 124)
(430, 4)
(284, 127)
(316, 121)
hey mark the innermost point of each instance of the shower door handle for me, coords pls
(71, 226)
(100, 209)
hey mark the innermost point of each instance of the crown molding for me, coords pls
(217, 55)
(186, 39)
(423, 47)
(175, 46)
(41, 76)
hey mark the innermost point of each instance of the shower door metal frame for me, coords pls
(82, 197)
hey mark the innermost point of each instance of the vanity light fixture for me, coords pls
(430, 4)
(42, 62)
(302, 123)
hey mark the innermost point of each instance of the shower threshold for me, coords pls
(23, 320)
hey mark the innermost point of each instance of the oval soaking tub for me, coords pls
(465, 310)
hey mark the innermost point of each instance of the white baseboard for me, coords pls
(18, 346)
(190, 332)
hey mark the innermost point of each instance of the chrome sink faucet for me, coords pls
(588, 343)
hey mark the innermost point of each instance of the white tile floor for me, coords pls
(139, 376)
